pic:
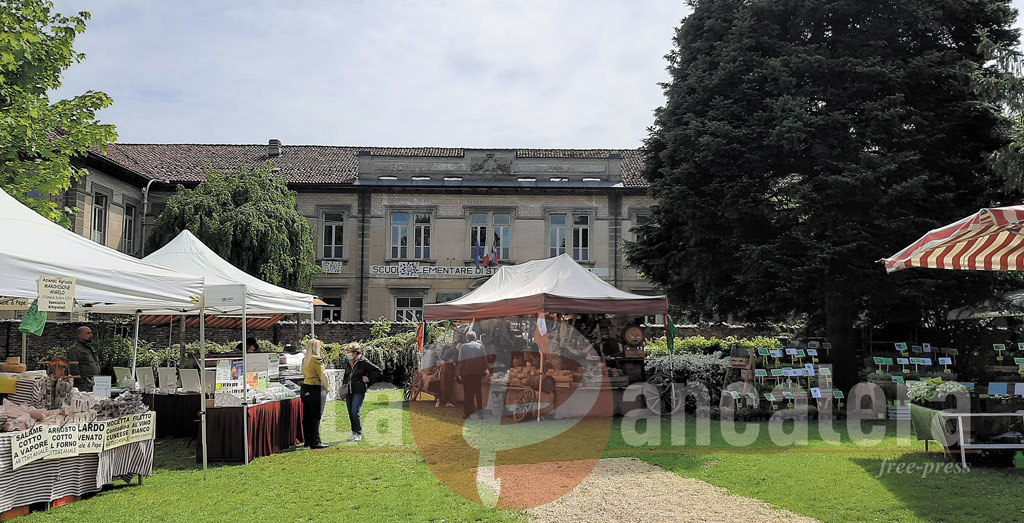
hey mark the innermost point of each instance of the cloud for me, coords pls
(465, 73)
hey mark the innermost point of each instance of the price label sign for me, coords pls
(812, 352)
(824, 371)
(898, 379)
(777, 373)
(838, 394)
(760, 373)
(791, 352)
(800, 353)
(998, 347)
(879, 361)
(903, 361)
(927, 347)
(815, 393)
(812, 345)
(763, 352)
(945, 361)
(776, 353)
(915, 348)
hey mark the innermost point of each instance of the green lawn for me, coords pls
(398, 486)
(836, 485)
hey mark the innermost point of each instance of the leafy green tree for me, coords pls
(249, 218)
(803, 140)
(38, 138)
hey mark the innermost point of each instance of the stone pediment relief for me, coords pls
(418, 167)
(561, 168)
(490, 164)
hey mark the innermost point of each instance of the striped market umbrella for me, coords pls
(989, 240)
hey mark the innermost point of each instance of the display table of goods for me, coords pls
(177, 415)
(274, 423)
(66, 444)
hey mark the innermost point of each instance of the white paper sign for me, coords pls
(815, 392)
(29, 446)
(146, 379)
(945, 361)
(56, 294)
(791, 352)
(168, 378)
(90, 437)
(64, 440)
(101, 387)
(190, 380)
(274, 365)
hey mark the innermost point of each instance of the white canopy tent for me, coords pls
(229, 291)
(554, 285)
(105, 280)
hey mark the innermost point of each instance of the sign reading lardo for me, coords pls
(90, 437)
(56, 294)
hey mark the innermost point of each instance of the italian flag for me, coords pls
(421, 334)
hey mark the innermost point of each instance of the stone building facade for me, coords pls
(398, 228)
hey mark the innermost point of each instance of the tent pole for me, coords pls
(312, 326)
(181, 342)
(245, 390)
(202, 383)
(24, 348)
(135, 348)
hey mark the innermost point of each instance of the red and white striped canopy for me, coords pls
(990, 240)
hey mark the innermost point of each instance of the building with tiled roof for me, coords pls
(397, 227)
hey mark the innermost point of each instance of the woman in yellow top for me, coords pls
(314, 394)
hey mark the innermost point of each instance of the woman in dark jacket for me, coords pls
(359, 375)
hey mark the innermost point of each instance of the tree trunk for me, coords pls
(840, 314)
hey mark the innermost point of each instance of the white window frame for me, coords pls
(418, 235)
(567, 236)
(405, 311)
(489, 224)
(128, 231)
(329, 293)
(100, 215)
(337, 250)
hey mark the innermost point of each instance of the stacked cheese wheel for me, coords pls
(13, 365)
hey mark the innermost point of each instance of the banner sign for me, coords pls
(29, 446)
(143, 427)
(15, 304)
(415, 270)
(90, 437)
(63, 441)
(118, 433)
(56, 294)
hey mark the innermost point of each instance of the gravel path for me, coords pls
(627, 489)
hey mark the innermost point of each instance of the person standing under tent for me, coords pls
(88, 365)
(313, 392)
(359, 375)
(448, 362)
(471, 369)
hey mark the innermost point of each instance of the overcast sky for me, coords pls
(453, 73)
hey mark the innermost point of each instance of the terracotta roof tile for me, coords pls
(311, 164)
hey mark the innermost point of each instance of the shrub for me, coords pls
(702, 345)
(925, 392)
(706, 369)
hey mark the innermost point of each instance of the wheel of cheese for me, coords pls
(12, 367)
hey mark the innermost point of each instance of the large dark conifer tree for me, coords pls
(803, 140)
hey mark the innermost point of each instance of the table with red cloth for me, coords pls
(176, 414)
(273, 427)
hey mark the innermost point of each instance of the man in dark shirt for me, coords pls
(472, 366)
(88, 365)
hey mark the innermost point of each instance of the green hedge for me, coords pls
(116, 351)
(702, 345)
